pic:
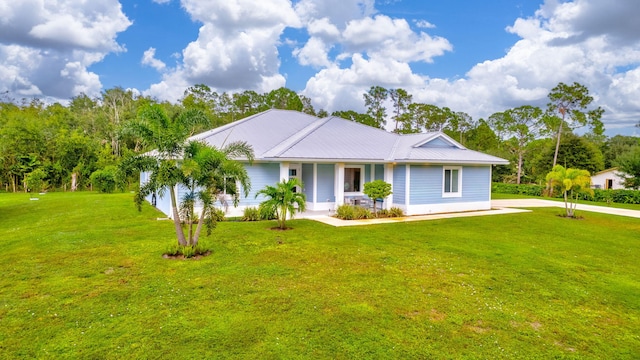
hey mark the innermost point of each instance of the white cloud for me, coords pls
(593, 42)
(46, 47)
(341, 89)
(236, 48)
(424, 24)
(148, 58)
(313, 53)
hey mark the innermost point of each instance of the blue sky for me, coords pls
(478, 57)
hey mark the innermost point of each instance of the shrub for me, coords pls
(383, 213)
(351, 212)
(186, 251)
(266, 213)
(35, 180)
(218, 214)
(345, 212)
(522, 189)
(104, 180)
(362, 213)
(251, 214)
(396, 212)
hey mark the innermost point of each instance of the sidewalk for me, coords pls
(499, 207)
(328, 219)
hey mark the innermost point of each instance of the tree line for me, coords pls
(67, 144)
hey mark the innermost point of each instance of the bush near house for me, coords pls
(351, 212)
(621, 196)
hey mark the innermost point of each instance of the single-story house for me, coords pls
(608, 179)
(334, 158)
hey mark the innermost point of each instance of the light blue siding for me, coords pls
(367, 173)
(476, 183)
(261, 174)
(307, 179)
(379, 175)
(437, 143)
(426, 185)
(399, 184)
(326, 183)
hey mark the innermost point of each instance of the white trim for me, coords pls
(452, 194)
(388, 177)
(444, 208)
(407, 185)
(338, 186)
(315, 183)
(442, 136)
(284, 171)
(372, 173)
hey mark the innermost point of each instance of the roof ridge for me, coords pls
(392, 154)
(205, 134)
(296, 138)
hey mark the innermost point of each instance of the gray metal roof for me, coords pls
(284, 135)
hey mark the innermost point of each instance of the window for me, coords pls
(353, 179)
(452, 184)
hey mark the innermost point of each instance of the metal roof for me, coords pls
(285, 135)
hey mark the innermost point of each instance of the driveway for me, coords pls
(532, 203)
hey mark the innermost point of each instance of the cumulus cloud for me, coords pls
(561, 43)
(593, 42)
(46, 47)
(236, 47)
(368, 49)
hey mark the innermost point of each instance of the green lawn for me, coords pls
(613, 205)
(83, 277)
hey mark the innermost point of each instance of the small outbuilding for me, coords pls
(608, 179)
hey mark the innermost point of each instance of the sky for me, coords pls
(479, 57)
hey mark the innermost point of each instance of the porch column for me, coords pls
(339, 184)
(284, 171)
(407, 186)
(315, 183)
(388, 177)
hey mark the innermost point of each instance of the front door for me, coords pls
(295, 172)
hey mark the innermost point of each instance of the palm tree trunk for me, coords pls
(196, 236)
(176, 218)
(283, 212)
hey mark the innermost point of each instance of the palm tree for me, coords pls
(200, 168)
(571, 182)
(283, 199)
(209, 172)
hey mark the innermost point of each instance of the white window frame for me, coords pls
(361, 167)
(446, 193)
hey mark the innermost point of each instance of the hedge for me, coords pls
(622, 196)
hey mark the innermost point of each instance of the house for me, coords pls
(334, 158)
(608, 179)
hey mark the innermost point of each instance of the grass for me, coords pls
(612, 204)
(83, 277)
